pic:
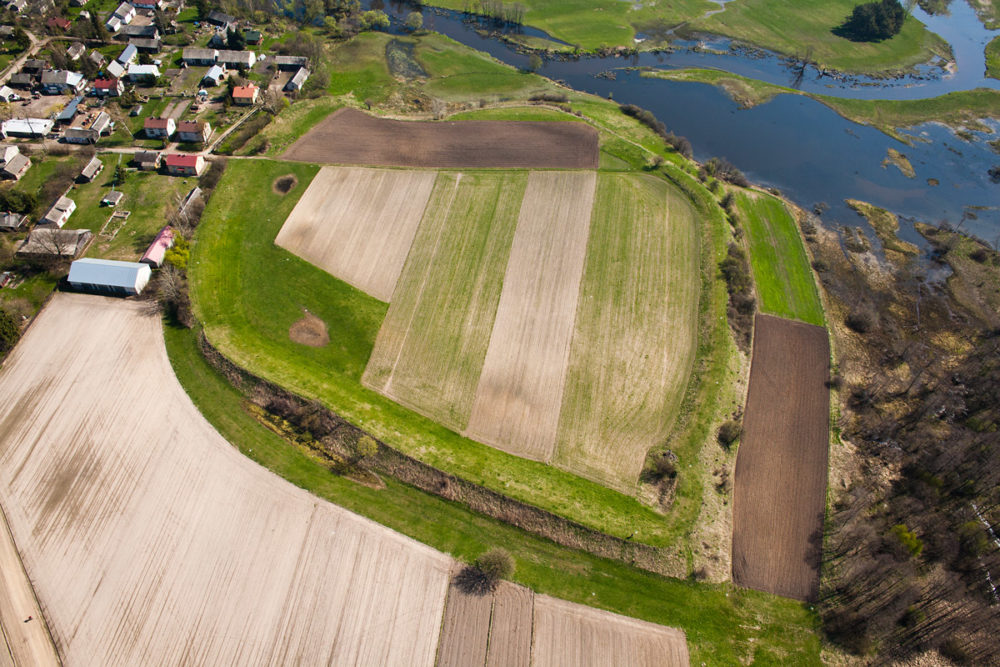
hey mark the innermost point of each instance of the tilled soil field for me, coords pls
(521, 629)
(781, 467)
(350, 136)
(152, 541)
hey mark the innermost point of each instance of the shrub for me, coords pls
(486, 572)
(860, 321)
(10, 333)
(679, 144)
(729, 432)
(559, 98)
(365, 448)
(875, 21)
(907, 539)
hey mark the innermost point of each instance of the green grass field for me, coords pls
(248, 292)
(430, 349)
(781, 269)
(724, 625)
(993, 58)
(636, 329)
(805, 27)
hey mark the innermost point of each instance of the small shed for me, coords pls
(115, 69)
(128, 55)
(157, 250)
(215, 75)
(298, 80)
(108, 276)
(11, 222)
(90, 172)
(113, 197)
(68, 113)
(75, 50)
(59, 213)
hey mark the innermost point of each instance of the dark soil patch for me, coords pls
(310, 330)
(781, 468)
(350, 136)
(284, 184)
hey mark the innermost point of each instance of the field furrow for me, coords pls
(465, 629)
(636, 329)
(430, 349)
(358, 224)
(151, 540)
(517, 401)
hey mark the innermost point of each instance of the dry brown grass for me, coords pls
(516, 407)
(358, 224)
(310, 330)
(151, 540)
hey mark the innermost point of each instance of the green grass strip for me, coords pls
(780, 265)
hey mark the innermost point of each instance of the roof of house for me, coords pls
(7, 153)
(97, 57)
(143, 70)
(102, 122)
(124, 10)
(92, 168)
(21, 78)
(107, 84)
(86, 132)
(179, 160)
(113, 197)
(115, 69)
(70, 109)
(158, 248)
(11, 220)
(114, 23)
(107, 272)
(63, 204)
(237, 56)
(248, 91)
(191, 126)
(290, 60)
(220, 18)
(299, 77)
(145, 43)
(34, 63)
(128, 53)
(16, 164)
(192, 53)
(61, 77)
(157, 123)
(253, 36)
(140, 31)
(58, 22)
(28, 126)
(51, 241)
(75, 50)
(146, 156)
(215, 72)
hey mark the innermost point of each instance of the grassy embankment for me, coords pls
(724, 625)
(955, 109)
(781, 269)
(993, 58)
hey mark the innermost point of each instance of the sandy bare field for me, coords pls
(22, 642)
(636, 329)
(527, 629)
(150, 540)
(517, 401)
(358, 224)
(349, 136)
(781, 468)
(571, 634)
(430, 349)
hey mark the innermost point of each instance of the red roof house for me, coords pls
(245, 95)
(108, 87)
(159, 127)
(158, 248)
(58, 23)
(184, 165)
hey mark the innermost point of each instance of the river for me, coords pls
(797, 144)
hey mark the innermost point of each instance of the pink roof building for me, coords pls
(158, 248)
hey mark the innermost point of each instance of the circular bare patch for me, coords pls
(310, 330)
(284, 184)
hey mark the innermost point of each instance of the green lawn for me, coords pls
(591, 24)
(636, 329)
(993, 58)
(724, 625)
(781, 269)
(248, 292)
(430, 349)
(805, 28)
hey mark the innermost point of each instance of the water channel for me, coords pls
(794, 143)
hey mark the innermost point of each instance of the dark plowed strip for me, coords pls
(781, 467)
(350, 136)
(465, 630)
(510, 632)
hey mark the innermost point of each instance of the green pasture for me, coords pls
(781, 269)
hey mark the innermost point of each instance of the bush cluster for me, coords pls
(679, 144)
(874, 21)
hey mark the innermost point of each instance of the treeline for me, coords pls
(911, 559)
(511, 14)
(678, 143)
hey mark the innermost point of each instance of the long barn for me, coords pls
(108, 276)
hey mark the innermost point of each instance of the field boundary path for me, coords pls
(25, 643)
(779, 494)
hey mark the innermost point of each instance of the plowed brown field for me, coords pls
(781, 467)
(358, 224)
(526, 629)
(152, 541)
(350, 136)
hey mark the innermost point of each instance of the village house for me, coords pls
(290, 63)
(221, 20)
(144, 31)
(75, 50)
(97, 58)
(59, 82)
(34, 66)
(108, 276)
(58, 23)
(215, 75)
(13, 163)
(103, 124)
(115, 69)
(184, 165)
(68, 113)
(253, 37)
(29, 128)
(108, 87)
(159, 128)
(11, 222)
(149, 45)
(143, 74)
(157, 250)
(22, 80)
(113, 24)
(51, 242)
(81, 135)
(245, 95)
(112, 198)
(193, 131)
(298, 80)
(128, 55)
(59, 213)
(202, 57)
(125, 12)
(91, 171)
(146, 160)
(237, 59)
